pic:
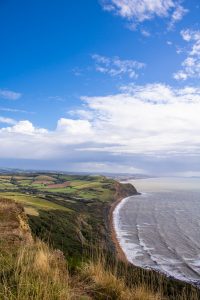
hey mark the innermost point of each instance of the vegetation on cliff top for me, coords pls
(71, 214)
(32, 270)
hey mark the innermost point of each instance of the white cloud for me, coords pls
(9, 95)
(24, 127)
(117, 67)
(15, 110)
(169, 43)
(7, 121)
(78, 128)
(32, 142)
(137, 11)
(191, 64)
(177, 15)
(145, 33)
(153, 120)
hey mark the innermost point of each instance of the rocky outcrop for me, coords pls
(124, 190)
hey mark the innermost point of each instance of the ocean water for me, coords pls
(160, 228)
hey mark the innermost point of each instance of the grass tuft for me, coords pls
(37, 273)
(103, 283)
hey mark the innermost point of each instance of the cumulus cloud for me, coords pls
(191, 64)
(154, 120)
(31, 142)
(24, 127)
(138, 11)
(115, 66)
(9, 95)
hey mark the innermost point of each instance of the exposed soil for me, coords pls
(14, 228)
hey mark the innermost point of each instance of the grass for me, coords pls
(36, 273)
(32, 270)
(40, 273)
(105, 284)
(67, 190)
(33, 201)
(75, 220)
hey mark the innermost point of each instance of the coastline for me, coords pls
(122, 191)
(119, 251)
(120, 254)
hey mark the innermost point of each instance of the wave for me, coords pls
(150, 230)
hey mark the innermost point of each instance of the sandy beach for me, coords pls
(120, 253)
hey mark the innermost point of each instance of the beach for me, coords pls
(120, 253)
(160, 229)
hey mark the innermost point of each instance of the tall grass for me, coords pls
(104, 283)
(40, 273)
(36, 273)
(108, 278)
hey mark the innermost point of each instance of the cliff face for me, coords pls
(124, 190)
(120, 191)
(14, 228)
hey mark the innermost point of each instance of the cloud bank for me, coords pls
(154, 120)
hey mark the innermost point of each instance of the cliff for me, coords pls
(14, 228)
(72, 213)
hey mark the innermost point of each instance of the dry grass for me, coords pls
(30, 270)
(37, 273)
(104, 284)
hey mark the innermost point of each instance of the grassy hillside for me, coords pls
(32, 270)
(66, 211)
(71, 213)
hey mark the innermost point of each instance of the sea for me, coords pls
(160, 229)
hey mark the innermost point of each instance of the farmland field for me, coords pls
(65, 210)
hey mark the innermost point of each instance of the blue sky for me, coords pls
(103, 86)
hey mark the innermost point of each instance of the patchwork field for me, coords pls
(65, 210)
(71, 213)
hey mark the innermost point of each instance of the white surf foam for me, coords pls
(130, 249)
(137, 250)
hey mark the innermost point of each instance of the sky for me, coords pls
(100, 86)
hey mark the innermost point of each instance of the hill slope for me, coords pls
(72, 214)
(31, 270)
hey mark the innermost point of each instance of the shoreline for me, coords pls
(119, 251)
(120, 254)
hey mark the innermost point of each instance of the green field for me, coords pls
(71, 213)
(65, 210)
